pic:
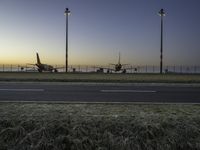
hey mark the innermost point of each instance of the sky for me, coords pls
(98, 31)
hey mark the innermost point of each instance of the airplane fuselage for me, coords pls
(44, 67)
(118, 67)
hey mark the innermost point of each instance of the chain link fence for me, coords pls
(95, 68)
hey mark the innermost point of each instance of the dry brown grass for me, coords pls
(99, 126)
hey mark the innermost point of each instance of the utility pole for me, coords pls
(67, 12)
(161, 13)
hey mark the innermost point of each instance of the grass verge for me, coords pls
(99, 126)
(98, 77)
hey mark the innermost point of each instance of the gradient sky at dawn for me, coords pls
(98, 30)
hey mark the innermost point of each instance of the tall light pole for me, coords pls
(67, 12)
(161, 13)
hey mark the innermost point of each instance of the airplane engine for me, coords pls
(40, 70)
(124, 71)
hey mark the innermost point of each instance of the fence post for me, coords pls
(86, 68)
(181, 68)
(131, 69)
(153, 69)
(174, 69)
(146, 69)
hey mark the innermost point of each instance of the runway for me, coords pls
(86, 92)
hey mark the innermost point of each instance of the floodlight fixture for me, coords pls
(67, 12)
(161, 12)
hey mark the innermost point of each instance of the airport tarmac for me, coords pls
(87, 92)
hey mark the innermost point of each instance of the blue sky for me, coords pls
(99, 30)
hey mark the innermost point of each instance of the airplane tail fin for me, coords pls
(38, 59)
(119, 58)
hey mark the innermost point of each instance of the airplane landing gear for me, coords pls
(124, 71)
(40, 70)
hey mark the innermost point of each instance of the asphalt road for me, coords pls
(78, 92)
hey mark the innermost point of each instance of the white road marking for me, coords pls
(23, 90)
(127, 91)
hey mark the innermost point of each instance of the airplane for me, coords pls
(43, 67)
(117, 67)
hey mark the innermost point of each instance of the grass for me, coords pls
(25, 126)
(98, 77)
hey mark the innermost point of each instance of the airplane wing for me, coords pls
(32, 70)
(27, 68)
(31, 64)
(58, 67)
(111, 69)
(101, 69)
(125, 64)
(131, 68)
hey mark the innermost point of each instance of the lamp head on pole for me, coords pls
(161, 12)
(67, 12)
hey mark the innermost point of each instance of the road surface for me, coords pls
(83, 92)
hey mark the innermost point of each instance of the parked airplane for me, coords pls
(43, 67)
(117, 67)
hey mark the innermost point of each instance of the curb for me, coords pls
(108, 84)
(92, 103)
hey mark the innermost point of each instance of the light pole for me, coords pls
(67, 12)
(161, 13)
